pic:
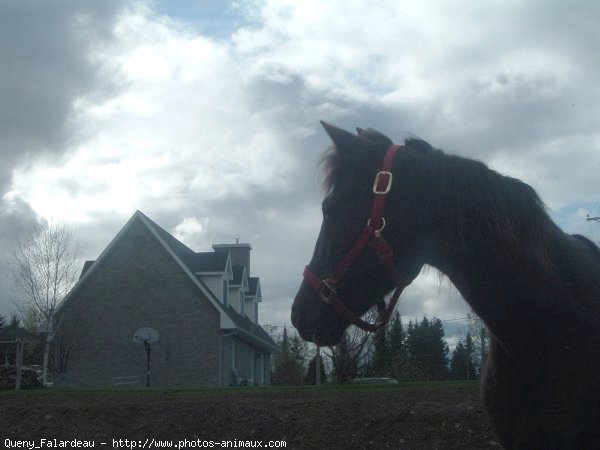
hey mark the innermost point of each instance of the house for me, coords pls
(149, 300)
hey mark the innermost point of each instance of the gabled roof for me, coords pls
(240, 277)
(254, 288)
(86, 266)
(13, 332)
(255, 331)
(191, 263)
(206, 262)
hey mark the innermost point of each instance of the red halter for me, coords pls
(371, 235)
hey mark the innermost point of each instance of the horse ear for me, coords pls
(342, 139)
(374, 136)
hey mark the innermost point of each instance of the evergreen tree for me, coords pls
(427, 350)
(458, 363)
(439, 350)
(461, 364)
(298, 349)
(397, 338)
(380, 364)
(470, 353)
(288, 369)
(2, 321)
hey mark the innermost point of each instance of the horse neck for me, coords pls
(503, 294)
(498, 253)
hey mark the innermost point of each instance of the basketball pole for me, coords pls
(147, 346)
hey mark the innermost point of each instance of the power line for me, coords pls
(288, 325)
(454, 320)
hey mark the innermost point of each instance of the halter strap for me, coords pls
(371, 236)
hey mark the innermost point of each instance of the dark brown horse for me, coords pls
(535, 287)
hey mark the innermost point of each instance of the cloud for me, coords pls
(47, 53)
(217, 137)
(46, 49)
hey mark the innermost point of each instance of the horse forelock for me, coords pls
(336, 163)
(329, 169)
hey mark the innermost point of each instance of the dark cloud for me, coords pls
(16, 220)
(46, 66)
(512, 84)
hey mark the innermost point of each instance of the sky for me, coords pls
(204, 115)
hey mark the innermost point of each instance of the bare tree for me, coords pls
(352, 352)
(43, 267)
(481, 339)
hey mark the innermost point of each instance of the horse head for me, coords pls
(354, 179)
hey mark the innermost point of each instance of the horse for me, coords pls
(536, 288)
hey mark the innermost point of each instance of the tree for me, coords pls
(43, 267)
(461, 364)
(298, 349)
(481, 340)
(2, 321)
(427, 350)
(311, 373)
(397, 337)
(438, 361)
(400, 365)
(352, 353)
(470, 350)
(14, 320)
(381, 362)
(288, 369)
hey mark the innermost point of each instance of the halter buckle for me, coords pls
(327, 290)
(388, 186)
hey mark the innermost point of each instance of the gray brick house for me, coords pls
(204, 307)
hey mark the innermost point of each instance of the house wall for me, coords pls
(139, 284)
(234, 297)
(215, 284)
(246, 362)
(250, 308)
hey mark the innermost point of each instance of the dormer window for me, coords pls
(241, 302)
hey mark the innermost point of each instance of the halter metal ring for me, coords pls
(327, 290)
(382, 225)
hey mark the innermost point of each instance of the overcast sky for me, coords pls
(205, 115)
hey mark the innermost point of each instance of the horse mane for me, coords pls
(485, 206)
(478, 204)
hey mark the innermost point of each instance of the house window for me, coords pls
(233, 354)
(256, 312)
(241, 301)
(225, 292)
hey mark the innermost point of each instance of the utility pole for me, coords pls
(593, 219)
